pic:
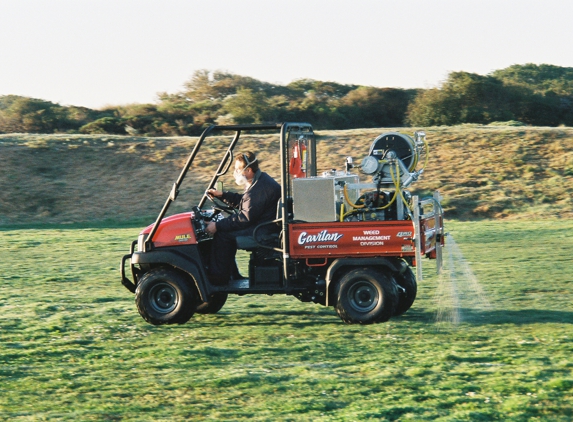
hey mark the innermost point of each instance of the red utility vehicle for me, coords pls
(339, 241)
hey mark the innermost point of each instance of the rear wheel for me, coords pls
(406, 280)
(365, 296)
(213, 305)
(164, 296)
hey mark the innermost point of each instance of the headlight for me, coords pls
(140, 241)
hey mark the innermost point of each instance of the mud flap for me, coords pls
(440, 234)
(417, 238)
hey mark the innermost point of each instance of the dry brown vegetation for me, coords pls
(482, 172)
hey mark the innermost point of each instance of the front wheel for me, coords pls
(365, 296)
(164, 296)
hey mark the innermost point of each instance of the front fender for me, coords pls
(187, 260)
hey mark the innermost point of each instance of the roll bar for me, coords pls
(225, 162)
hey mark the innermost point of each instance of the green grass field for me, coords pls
(491, 338)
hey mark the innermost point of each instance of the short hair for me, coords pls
(249, 159)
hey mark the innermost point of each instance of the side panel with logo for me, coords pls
(383, 238)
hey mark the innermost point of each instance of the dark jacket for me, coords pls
(256, 205)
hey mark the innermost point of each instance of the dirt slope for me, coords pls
(491, 172)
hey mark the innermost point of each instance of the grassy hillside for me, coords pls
(482, 172)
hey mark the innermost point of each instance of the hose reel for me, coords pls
(394, 156)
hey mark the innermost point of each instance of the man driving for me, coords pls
(256, 205)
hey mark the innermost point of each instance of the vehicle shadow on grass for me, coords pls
(302, 319)
(519, 317)
(487, 317)
(270, 317)
(492, 317)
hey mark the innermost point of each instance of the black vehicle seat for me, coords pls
(270, 239)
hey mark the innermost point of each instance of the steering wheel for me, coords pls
(220, 205)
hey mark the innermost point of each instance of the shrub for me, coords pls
(109, 125)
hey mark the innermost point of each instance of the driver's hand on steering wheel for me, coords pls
(211, 228)
(214, 193)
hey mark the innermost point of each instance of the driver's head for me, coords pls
(247, 160)
(246, 165)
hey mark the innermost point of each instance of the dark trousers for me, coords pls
(222, 263)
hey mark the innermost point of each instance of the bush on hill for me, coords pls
(535, 95)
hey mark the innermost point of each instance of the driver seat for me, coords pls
(272, 240)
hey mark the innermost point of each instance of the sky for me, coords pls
(95, 53)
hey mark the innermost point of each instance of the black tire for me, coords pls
(213, 305)
(365, 296)
(406, 280)
(164, 296)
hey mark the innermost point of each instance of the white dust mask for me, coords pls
(240, 178)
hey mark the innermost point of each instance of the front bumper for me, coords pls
(129, 284)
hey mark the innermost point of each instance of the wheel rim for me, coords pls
(164, 298)
(363, 296)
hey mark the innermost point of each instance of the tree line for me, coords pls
(540, 95)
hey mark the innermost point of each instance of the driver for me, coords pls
(256, 205)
